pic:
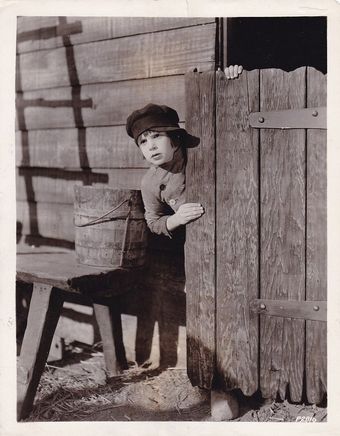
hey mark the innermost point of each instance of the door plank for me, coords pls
(282, 166)
(200, 239)
(316, 280)
(237, 231)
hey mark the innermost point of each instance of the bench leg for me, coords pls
(110, 327)
(43, 315)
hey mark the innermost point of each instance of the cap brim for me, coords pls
(190, 141)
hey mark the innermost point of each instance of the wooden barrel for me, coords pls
(110, 229)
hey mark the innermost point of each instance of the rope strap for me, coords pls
(107, 213)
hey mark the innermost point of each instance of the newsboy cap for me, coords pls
(159, 118)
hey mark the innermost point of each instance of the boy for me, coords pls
(163, 144)
(156, 131)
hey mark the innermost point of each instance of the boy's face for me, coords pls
(156, 147)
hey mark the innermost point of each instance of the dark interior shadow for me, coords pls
(277, 42)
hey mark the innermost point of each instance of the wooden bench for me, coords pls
(56, 275)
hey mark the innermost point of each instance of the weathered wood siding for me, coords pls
(269, 235)
(78, 78)
(126, 58)
(37, 33)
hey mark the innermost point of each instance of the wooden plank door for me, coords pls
(266, 191)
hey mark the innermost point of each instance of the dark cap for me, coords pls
(160, 118)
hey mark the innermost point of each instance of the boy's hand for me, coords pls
(233, 71)
(185, 214)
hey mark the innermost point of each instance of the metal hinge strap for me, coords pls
(309, 118)
(309, 310)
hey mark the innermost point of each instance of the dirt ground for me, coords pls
(76, 389)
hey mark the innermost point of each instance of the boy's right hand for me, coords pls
(186, 213)
(233, 71)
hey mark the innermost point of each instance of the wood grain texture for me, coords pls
(200, 240)
(61, 270)
(96, 105)
(57, 185)
(158, 54)
(50, 220)
(105, 317)
(237, 224)
(102, 147)
(98, 200)
(316, 262)
(112, 243)
(38, 33)
(282, 166)
(42, 320)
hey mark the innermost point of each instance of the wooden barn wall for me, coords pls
(78, 78)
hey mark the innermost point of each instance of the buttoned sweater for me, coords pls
(163, 191)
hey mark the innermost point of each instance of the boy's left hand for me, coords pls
(233, 71)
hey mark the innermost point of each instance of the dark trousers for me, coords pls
(164, 302)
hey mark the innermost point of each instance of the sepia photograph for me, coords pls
(171, 195)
